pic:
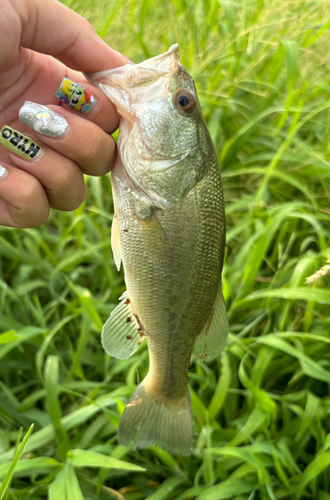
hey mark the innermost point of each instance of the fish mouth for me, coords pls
(146, 77)
(162, 64)
(173, 49)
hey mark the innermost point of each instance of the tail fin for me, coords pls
(157, 419)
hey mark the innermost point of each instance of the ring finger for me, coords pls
(60, 176)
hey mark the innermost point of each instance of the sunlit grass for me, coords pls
(262, 411)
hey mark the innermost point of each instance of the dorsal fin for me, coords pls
(115, 242)
(212, 339)
(121, 334)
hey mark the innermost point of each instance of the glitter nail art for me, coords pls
(19, 144)
(75, 96)
(42, 120)
(3, 172)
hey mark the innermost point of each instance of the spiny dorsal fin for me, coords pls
(115, 242)
(121, 334)
(212, 339)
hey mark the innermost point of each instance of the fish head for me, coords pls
(162, 131)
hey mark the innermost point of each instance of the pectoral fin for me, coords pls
(115, 242)
(157, 246)
(121, 334)
(212, 339)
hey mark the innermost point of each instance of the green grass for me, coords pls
(262, 411)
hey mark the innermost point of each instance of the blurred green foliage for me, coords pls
(262, 411)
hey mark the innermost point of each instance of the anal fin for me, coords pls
(212, 339)
(121, 334)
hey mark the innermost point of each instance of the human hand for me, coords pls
(50, 174)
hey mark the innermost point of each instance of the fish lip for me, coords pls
(92, 77)
(173, 48)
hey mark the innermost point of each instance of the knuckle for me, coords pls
(79, 197)
(91, 148)
(33, 208)
(64, 178)
(30, 194)
(98, 154)
(40, 217)
(85, 28)
(88, 26)
(70, 196)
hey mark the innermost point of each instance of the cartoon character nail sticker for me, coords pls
(75, 96)
(19, 144)
(42, 119)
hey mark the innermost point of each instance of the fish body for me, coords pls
(169, 232)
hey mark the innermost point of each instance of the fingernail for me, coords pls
(74, 95)
(19, 144)
(3, 172)
(131, 62)
(42, 120)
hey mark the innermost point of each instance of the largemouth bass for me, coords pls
(169, 232)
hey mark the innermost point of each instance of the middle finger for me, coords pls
(81, 140)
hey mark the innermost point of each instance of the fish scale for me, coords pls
(170, 227)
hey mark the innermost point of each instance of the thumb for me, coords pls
(51, 28)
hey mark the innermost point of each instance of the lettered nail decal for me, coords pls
(75, 96)
(19, 144)
(42, 120)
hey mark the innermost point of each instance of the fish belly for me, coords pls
(172, 261)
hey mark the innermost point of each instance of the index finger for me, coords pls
(49, 27)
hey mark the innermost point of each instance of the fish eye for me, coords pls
(184, 100)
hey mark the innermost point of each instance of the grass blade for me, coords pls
(5, 483)
(83, 458)
(52, 390)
